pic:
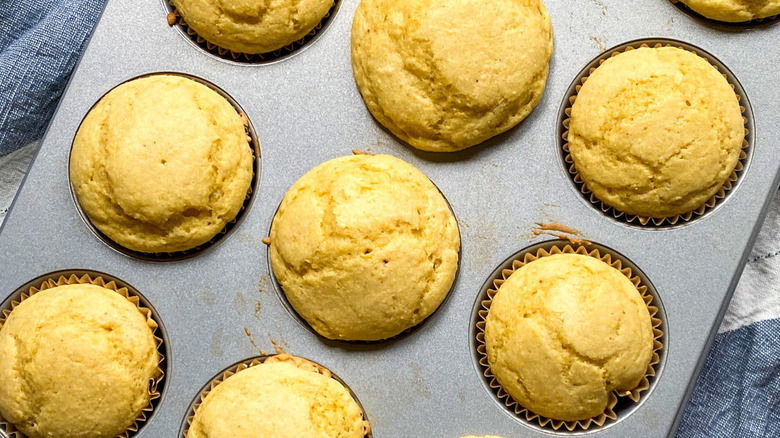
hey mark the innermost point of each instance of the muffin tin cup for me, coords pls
(279, 289)
(63, 278)
(254, 145)
(248, 363)
(709, 205)
(528, 256)
(732, 24)
(175, 19)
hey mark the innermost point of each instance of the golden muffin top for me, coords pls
(161, 164)
(76, 360)
(447, 75)
(252, 26)
(735, 11)
(564, 331)
(278, 399)
(364, 247)
(656, 132)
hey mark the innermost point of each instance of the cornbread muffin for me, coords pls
(364, 247)
(563, 332)
(252, 26)
(75, 361)
(447, 75)
(161, 164)
(656, 132)
(734, 11)
(280, 398)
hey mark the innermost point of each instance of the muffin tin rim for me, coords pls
(358, 343)
(230, 226)
(167, 363)
(235, 58)
(622, 413)
(622, 217)
(262, 357)
(728, 26)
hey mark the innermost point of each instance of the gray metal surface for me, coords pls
(306, 109)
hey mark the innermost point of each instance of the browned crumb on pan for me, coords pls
(359, 152)
(249, 335)
(560, 231)
(171, 19)
(278, 347)
(262, 285)
(266, 240)
(555, 226)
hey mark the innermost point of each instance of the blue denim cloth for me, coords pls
(40, 43)
(738, 392)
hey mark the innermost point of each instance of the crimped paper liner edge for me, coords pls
(281, 357)
(634, 394)
(72, 279)
(710, 203)
(222, 52)
(727, 23)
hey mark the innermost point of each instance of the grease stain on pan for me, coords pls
(215, 347)
(208, 296)
(239, 303)
(418, 380)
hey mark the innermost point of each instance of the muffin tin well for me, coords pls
(229, 227)
(725, 25)
(247, 58)
(220, 305)
(244, 364)
(160, 333)
(731, 184)
(366, 344)
(625, 406)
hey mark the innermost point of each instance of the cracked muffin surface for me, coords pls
(656, 132)
(564, 331)
(75, 361)
(161, 164)
(735, 11)
(448, 75)
(282, 397)
(364, 247)
(252, 26)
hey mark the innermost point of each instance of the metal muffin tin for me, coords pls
(306, 109)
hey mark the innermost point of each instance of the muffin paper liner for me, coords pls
(71, 279)
(644, 220)
(299, 362)
(253, 58)
(753, 22)
(609, 413)
(229, 225)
